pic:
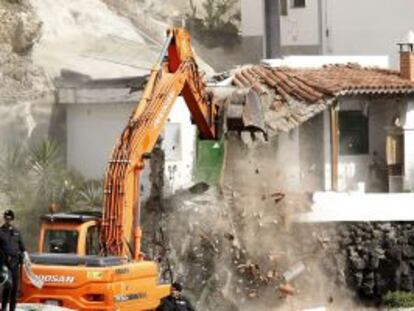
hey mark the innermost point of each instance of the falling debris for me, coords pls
(287, 289)
(294, 271)
(199, 188)
(237, 244)
(277, 196)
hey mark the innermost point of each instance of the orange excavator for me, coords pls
(93, 261)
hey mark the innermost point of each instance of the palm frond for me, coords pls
(91, 194)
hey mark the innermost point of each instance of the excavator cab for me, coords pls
(70, 233)
(76, 276)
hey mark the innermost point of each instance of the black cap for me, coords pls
(177, 286)
(9, 214)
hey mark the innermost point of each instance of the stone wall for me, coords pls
(369, 258)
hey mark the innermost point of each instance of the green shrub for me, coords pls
(399, 299)
(33, 178)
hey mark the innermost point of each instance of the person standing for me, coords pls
(12, 252)
(175, 301)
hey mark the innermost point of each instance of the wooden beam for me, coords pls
(334, 147)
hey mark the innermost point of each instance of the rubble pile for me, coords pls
(234, 247)
(25, 90)
(19, 30)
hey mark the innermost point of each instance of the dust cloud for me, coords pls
(234, 246)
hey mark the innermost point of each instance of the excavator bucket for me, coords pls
(243, 111)
(253, 114)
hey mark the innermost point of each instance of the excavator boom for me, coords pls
(175, 74)
(80, 273)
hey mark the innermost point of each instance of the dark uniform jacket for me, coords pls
(11, 245)
(175, 304)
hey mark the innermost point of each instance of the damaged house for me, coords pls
(342, 127)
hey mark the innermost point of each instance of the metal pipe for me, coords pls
(165, 46)
(137, 232)
(271, 37)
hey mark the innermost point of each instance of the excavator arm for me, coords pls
(175, 74)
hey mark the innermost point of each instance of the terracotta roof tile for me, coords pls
(295, 95)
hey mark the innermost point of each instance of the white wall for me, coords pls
(288, 156)
(409, 146)
(354, 27)
(356, 207)
(301, 25)
(252, 17)
(92, 130)
(179, 146)
(368, 27)
(354, 169)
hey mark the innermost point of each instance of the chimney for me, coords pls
(407, 57)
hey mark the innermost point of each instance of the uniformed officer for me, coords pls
(175, 301)
(12, 252)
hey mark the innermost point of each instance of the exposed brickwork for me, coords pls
(407, 65)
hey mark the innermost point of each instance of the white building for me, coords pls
(357, 138)
(333, 27)
(96, 113)
(107, 55)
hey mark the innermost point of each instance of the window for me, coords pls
(353, 133)
(61, 241)
(298, 3)
(283, 7)
(92, 241)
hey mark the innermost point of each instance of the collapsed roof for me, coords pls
(291, 96)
